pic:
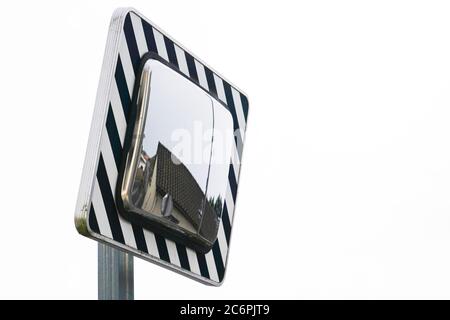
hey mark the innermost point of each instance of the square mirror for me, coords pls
(177, 156)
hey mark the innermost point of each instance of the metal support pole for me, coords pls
(115, 274)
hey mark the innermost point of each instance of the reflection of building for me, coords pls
(143, 175)
(174, 178)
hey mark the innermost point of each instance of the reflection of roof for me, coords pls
(174, 178)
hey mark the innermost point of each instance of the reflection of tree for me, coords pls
(216, 204)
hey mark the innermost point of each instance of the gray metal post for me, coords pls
(115, 274)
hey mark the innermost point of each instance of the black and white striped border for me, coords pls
(139, 37)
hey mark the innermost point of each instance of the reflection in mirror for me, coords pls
(176, 173)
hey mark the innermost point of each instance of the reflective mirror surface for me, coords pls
(176, 171)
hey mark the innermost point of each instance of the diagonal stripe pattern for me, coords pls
(138, 38)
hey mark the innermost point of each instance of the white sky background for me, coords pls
(346, 175)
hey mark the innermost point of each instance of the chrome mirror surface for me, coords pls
(176, 167)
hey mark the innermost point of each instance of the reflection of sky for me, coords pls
(180, 116)
(176, 105)
(221, 152)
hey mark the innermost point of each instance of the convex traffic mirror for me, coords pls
(163, 160)
(176, 171)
